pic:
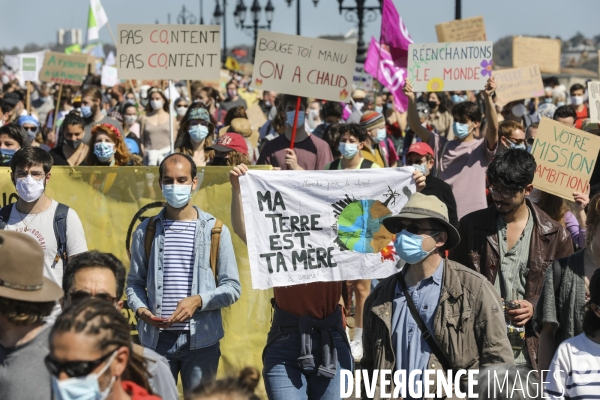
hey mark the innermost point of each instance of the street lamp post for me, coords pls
(458, 10)
(361, 15)
(315, 2)
(256, 9)
(201, 14)
(185, 17)
(218, 14)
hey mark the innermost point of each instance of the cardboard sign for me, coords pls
(109, 76)
(537, 51)
(362, 79)
(565, 158)
(462, 30)
(62, 68)
(303, 66)
(168, 51)
(594, 100)
(518, 83)
(256, 116)
(437, 67)
(30, 68)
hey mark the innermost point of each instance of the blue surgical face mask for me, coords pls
(379, 109)
(6, 155)
(560, 104)
(381, 135)
(177, 195)
(104, 151)
(456, 98)
(422, 168)
(409, 247)
(513, 145)
(529, 148)
(292, 114)
(388, 105)
(86, 111)
(547, 99)
(461, 131)
(198, 133)
(83, 388)
(348, 150)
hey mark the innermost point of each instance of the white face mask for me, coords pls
(181, 111)
(156, 104)
(518, 110)
(83, 388)
(29, 189)
(130, 119)
(577, 100)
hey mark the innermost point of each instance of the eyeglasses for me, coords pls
(81, 295)
(74, 369)
(416, 229)
(37, 175)
(504, 193)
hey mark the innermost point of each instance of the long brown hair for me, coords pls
(183, 143)
(101, 320)
(122, 156)
(280, 120)
(592, 218)
(554, 206)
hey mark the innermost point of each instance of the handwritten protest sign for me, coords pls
(436, 67)
(565, 158)
(62, 68)
(362, 79)
(594, 100)
(318, 226)
(518, 83)
(462, 30)
(109, 76)
(30, 68)
(303, 66)
(537, 51)
(168, 51)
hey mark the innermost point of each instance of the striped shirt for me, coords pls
(574, 370)
(178, 267)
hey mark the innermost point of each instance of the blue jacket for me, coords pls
(145, 281)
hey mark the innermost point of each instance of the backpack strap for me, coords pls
(335, 164)
(5, 215)
(215, 239)
(366, 164)
(149, 235)
(60, 231)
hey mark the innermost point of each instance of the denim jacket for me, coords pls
(145, 281)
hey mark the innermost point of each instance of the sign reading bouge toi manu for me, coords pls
(565, 158)
(62, 68)
(303, 66)
(321, 226)
(168, 51)
(518, 83)
(436, 67)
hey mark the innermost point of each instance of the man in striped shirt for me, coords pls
(173, 290)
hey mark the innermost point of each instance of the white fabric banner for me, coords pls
(311, 226)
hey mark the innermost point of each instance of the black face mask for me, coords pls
(219, 161)
(73, 143)
(432, 104)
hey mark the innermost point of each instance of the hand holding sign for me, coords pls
(408, 90)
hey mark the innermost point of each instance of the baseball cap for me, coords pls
(230, 142)
(420, 148)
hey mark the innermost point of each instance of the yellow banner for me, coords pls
(112, 201)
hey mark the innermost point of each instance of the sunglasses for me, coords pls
(530, 140)
(81, 295)
(504, 193)
(74, 369)
(31, 128)
(416, 229)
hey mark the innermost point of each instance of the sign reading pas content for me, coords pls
(63, 68)
(436, 67)
(319, 226)
(169, 51)
(303, 66)
(565, 158)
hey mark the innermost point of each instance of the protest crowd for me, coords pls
(494, 273)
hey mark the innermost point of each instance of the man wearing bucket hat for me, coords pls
(452, 317)
(26, 298)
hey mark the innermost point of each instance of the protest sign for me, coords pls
(565, 158)
(544, 53)
(30, 68)
(594, 100)
(168, 51)
(319, 226)
(109, 76)
(462, 30)
(518, 83)
(64, 68)
(362, 79)
(436, 67)
(302, 66)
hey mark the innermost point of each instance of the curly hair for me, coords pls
(237, 158)
(24, 312)
(332, 135)
(101, 320)
(122, 155)
(240, 387)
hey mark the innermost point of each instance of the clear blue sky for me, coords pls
(26, 21)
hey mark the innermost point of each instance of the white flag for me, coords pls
(110, 60)
(96, 20)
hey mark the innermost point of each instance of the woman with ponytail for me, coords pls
(91, 352)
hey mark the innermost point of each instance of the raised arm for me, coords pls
(413, 116)
(491, 134)
(237, 213)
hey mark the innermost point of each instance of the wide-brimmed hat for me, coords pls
(22, 270)
(420, 206)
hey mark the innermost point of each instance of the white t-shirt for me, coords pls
(41, 227)
(574, 370)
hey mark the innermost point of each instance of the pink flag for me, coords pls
(381, 65)
(393, 33)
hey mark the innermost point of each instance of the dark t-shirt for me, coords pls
(440, 189)
(23, 374)
(313, 153)
(58, 155)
